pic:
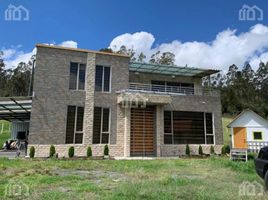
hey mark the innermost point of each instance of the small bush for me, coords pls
(252, 156)
(106, 150)
(71, 152)
(212, 151)
(52, 151)
(32, 152)
(89, 152)
(187, 150)
(225, 149)
(200, 150)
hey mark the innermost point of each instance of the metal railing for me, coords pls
(172, 89)
(255, 146)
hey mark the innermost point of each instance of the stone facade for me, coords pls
(52, 97)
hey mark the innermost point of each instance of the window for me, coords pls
(74, 125)
(188, 128)
(257, 135)
(77, 76)
(101, 125)
(102, 78)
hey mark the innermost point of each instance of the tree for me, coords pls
(108, 50)
(166, 58)
(141, 57)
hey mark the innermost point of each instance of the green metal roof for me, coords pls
(15, 108)
(170, 69)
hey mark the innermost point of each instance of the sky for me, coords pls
(205, 34)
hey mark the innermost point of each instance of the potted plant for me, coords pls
(106, 151)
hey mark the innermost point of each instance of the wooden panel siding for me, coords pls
(142, 132)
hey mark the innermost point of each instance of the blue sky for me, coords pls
(94, 24)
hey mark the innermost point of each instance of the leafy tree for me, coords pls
(141, 57)
(108, 50)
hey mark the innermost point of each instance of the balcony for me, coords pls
(172, 90)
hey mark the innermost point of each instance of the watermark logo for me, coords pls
(16, 189)
(17, 13)
(135, 100)
(247, 13)
(251, 189)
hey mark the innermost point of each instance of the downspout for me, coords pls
(30, 90)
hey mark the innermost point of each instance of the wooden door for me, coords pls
(240, 138)
(142, 132)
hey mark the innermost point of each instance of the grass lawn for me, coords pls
(226, 133)
(5, 135)
(212, 178)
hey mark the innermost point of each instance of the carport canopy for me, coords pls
(15, 108)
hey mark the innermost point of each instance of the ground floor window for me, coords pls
(188, 127)
(101, 125)
(74, 125)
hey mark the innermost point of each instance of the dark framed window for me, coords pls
(101, 125)
(102, 79)
(188, 128)
(74, 125)
(77, 76)
(257, 135)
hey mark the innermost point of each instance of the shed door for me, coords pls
(240, 138)
(142, 132)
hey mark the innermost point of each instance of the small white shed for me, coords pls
(249, 131)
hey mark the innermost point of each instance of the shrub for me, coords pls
(187, 150)
(225, 149)
(106, 150)
(200, 150)
(89, 152)
(52, 151)
(252, 156)
(32, 152)
(71, 152)
(212, 151)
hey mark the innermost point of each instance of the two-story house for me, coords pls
(89, 98)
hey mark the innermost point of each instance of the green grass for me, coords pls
(226, 133)
(212, 178)
(5, 134)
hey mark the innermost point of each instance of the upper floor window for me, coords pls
(103, 79)
(77, 76)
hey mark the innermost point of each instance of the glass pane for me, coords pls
(105, 138)
(257, 135)
(167, 139)
(105, 120)
(80, 118)
(106, 79)
(96, 125)
(78, 138)
(210, 140)
(167, 122)
(98, 78)
(188, 127)
(70, 125)
(209, 124)
(82, 74)
(73, 76)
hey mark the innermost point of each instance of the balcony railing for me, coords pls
(254, 146)
(175, 90)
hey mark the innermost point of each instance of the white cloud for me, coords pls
(69, 43)
(14, 55)
(226, 49)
